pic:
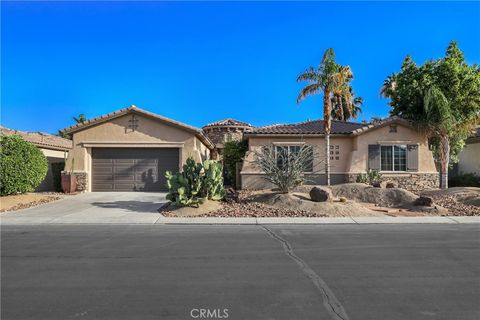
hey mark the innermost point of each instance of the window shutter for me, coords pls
(374, 157)
(412, 157)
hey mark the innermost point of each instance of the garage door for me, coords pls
(132, 169)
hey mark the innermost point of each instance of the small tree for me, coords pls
(22, 165)
(284, 168)
(233, 152)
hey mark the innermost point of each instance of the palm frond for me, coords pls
(309, 90)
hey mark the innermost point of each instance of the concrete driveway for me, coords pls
(94, 207)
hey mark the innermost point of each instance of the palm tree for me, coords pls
(80, 119)
(322, 81)
(388, 86)
(437, 122)
(347, 110)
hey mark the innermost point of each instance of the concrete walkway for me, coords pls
(142, 208)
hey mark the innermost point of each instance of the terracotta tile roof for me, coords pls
(308, 127)
(134, 109)
(315, 127)
(228, 123)
(40, 139)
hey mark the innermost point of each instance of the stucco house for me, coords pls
(53, 147)
(468, 159)
(391, 146)
(130, 150)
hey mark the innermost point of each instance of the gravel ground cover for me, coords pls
(26, 200)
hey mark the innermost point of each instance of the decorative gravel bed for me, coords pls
(27, 200)
(456, 208)
(255, 209)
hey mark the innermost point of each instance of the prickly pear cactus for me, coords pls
(213, 180)
(195, 183)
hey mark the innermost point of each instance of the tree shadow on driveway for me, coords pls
(133, 206)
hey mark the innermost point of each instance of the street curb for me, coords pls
(315, 220)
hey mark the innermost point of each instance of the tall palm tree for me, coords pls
(342, 96)
(322, 81)
(350, 106)
(388, 86)
(80, 119)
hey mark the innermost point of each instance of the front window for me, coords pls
(283, 153)
(393, 158)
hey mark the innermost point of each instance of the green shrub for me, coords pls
(371, 177)
(195, 183)
(57, 168)
(22, 165)
(464, 180)
(233, 152)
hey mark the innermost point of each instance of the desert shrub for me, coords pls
(284, 168)
(57, 168)
(195, 183)
(22, 165)
(371, 177)
(233, 152)
(464, 180)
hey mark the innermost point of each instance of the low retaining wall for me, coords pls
(413, 182)
(81, 180)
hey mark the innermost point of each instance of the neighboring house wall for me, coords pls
(53, 156)
(469, 158)
(352, 158)
(150, 133)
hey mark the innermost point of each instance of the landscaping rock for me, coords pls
(390, 185)
(424, 201)
(319, 194)
(393, 197)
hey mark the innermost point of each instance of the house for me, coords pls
(225, 130)
(130, 150)
(468, 159)
(391, 146)
(53, 147)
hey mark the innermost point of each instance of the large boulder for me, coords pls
(424, 201)
(319, 194)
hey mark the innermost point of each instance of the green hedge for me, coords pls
(22, 165)
(464, 180)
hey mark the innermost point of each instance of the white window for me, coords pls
(393, 158)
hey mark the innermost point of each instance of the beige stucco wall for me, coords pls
(150, 133)
(469, 159)
(337, 166)
(53, 153)
(382, 135)
(353, 153)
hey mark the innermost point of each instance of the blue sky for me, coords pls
(201, 62)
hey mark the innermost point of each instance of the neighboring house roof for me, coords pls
(228, 123)
(133, 109)
(40, 139)
(316, 127)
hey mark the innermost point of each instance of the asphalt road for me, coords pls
(352, 272)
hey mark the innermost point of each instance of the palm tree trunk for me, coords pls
(444, 161)
(326, 122)
(340, 109)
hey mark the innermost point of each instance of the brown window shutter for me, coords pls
(374, 157)
(412, 157)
